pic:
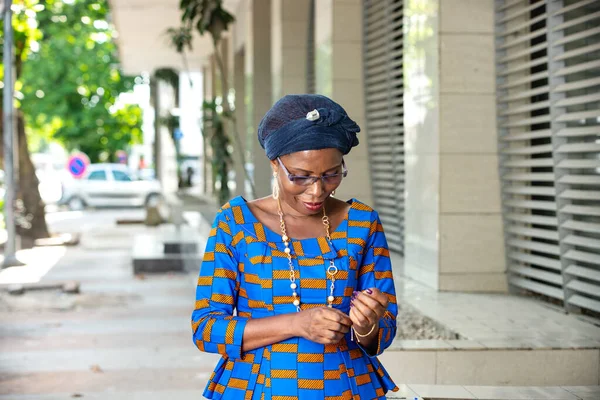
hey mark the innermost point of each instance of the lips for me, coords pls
(313, 206)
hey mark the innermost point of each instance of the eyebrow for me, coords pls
(310, 172)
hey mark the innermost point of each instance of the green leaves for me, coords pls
(71, 84)
(206, 16)
(180, 38)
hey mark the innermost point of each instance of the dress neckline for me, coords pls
(271, 235)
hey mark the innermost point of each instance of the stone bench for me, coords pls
(169, 249)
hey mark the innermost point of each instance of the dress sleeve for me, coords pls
(215, 329)
(376, 271)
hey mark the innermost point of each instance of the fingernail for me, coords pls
(351, 304)
(355, 293)
(369, 291)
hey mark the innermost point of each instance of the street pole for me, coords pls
(10, 259)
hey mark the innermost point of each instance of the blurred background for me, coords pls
(131, 121)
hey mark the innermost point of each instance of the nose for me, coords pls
(316, 189)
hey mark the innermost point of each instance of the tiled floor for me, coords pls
(496, 321)
(440, 392)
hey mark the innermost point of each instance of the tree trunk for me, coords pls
(32, 215)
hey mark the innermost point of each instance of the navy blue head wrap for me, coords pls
(306, 122)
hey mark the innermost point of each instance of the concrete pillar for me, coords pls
(289, 41)
(454, 238)
(226, 86)
(156, 125)
(258, 86)
(239, 84)
(209, 89)
(339, 75)
(166, 154)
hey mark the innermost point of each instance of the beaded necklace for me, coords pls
(331, 270)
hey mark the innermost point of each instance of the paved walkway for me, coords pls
(438, 392)
(123, 338)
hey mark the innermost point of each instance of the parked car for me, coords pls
(110, 185)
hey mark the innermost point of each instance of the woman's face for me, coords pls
(308, 200)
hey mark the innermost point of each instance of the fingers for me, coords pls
(329, 337)
(368, 307)
(357, 318)
(362, 316)
(368, 301)
(377, 295)
(331, 314)
(330, 325)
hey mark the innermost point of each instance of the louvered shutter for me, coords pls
(548, 66)
(382, 20)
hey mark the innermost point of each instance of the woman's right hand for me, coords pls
(322, 325)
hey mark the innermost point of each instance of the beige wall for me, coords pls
(454, 237)
(339, 74)
(289, 39)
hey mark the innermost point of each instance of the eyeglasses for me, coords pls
(300, 180)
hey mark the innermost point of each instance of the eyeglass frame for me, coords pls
(313, 178)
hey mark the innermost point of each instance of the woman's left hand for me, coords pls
(367, 308)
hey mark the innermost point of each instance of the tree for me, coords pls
(29, 207)
(68, 84)
(74, 97)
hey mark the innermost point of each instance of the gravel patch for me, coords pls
(412, 325)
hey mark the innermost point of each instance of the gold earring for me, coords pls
(275, 186)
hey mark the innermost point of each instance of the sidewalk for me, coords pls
(122, 338)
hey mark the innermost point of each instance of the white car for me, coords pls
(110, 185)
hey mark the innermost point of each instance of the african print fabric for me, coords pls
(245, 274)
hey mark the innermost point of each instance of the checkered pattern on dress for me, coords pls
(245, 274)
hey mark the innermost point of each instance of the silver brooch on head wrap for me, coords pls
(313, 115)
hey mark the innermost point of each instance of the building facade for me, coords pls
(480, 128)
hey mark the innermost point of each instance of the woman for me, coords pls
(296, 291)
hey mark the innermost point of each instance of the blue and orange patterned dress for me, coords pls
(245, 274)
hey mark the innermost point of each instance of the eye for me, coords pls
(302, 180)
(333, 178)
